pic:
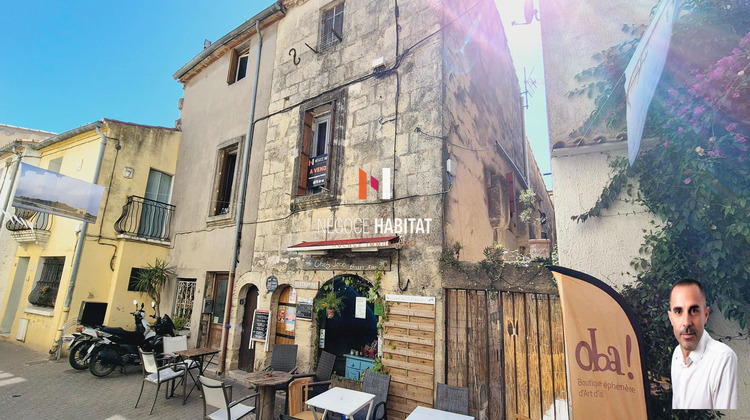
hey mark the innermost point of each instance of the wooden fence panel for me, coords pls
(409, 355)
(511, 353)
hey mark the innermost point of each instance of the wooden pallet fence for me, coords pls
(409, 353)
(507, 348)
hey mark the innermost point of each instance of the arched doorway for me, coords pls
(286, 315)
(247, 355)
(345, 331)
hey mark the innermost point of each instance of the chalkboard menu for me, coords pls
(304, 309)
(260, 325)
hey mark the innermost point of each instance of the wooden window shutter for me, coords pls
(304, 158)
(331, 135)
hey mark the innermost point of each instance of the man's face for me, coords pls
(688, 314)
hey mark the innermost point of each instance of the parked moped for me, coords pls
(119, 347)
(83, 339)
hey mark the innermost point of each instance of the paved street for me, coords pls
(31, 387)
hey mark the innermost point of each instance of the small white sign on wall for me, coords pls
(360, 307)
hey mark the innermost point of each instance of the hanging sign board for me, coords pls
(304, 309)
(260, 325)
(316, 171)
(272, 283)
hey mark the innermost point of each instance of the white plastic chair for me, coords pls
(156, 375)
(217, 394)
(175, 344)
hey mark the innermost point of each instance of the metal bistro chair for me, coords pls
(175, 344)
(375, 383)
(156, 375)
(321, 379)
(218, 394)
(283, 359)
(452, 398)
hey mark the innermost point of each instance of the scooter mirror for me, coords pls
(135, 302)
(153, 304)
(141, 305)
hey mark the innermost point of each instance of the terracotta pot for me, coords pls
(331, 313)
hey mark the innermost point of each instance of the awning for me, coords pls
(356, 245)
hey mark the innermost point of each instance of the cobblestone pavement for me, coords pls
(31, 387)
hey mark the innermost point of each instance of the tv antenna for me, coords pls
(529, 87)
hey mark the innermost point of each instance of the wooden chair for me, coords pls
(156, 375)
(375, 383)
(297, 395)
(217, 394)
(452, 398)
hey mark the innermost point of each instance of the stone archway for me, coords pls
(345, 332)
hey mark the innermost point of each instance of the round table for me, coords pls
(266, 381)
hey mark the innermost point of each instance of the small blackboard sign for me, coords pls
(260, 325)
(304, 309)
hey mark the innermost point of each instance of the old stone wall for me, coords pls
(482, 121)
(377, 113)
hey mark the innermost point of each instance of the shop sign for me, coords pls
(304, 309)
(272, 283)
(347, 264)
(309, 285)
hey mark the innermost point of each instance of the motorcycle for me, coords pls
(78, 349)
(119, 347)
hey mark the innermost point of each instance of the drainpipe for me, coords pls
(10, 186)
(79, 250)
(240, 210)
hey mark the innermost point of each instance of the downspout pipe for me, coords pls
(79, 248)
(17, 164)
(248, 144)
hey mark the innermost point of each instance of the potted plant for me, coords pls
(152, 279)
(331, 303)
(374, 296)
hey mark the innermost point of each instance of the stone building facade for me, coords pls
(388, 135)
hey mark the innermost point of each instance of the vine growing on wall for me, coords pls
(695, 180)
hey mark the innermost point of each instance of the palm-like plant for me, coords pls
(152, 279)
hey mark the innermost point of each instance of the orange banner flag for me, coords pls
(604, 349)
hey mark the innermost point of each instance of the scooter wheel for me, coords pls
(102, 361)
(77, 353)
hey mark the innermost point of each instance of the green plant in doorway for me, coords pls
(151, 280)
(331, 303)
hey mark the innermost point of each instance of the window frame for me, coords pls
(135, 273)
(39, 282)
(235, 64)
(337, 128)
(233, 146)
(330, 40)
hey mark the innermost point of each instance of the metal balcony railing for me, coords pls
(145, 218)
(29, 220)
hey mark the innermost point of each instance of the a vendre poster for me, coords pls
(604, 349)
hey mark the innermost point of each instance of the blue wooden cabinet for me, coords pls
(356, 365)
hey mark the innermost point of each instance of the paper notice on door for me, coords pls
(360, 308)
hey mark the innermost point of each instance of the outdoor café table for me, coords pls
(424, 413)
(199, 355)
(341, 400)
(266, 382)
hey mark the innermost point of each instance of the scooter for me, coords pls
(119, 347)
(78, 349)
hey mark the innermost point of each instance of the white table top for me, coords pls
(424, 413)
(341, 400)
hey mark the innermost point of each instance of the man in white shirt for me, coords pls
(704, 371)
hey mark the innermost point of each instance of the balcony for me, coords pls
(146, 219)
(28, 226)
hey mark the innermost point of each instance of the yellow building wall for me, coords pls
(107, 258)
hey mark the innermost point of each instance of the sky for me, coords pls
(70, 63)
